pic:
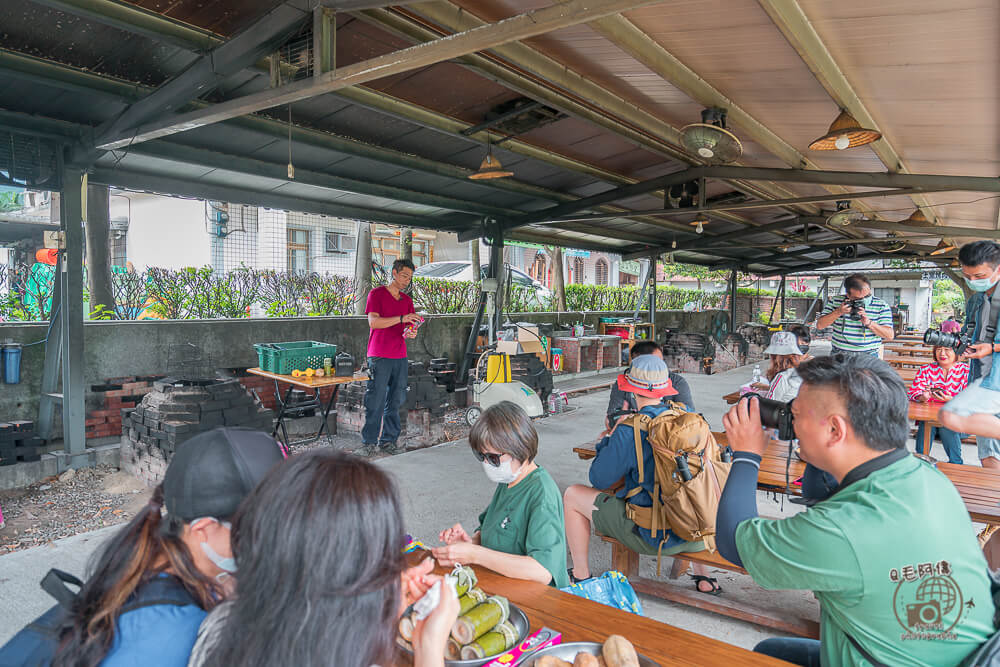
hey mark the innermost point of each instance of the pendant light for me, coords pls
(917, 219)
(490, 167)
(699, 223)
(942, 247)
(845, 132)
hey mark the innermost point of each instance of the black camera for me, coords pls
(856, 306)
(958, 342)
(775, 414)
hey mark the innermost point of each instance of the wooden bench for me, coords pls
(626, 561)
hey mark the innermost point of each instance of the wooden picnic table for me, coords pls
(910, 350)
(314, 384)
(897, 361)
(582, 620)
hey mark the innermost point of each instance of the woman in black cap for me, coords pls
(153, 582)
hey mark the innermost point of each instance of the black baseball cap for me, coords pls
(214, 471)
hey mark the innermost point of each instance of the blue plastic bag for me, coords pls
(611, 588)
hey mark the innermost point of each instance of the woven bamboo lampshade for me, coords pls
(845, 132)
(942, 247)
(917, 219)
(489, 168)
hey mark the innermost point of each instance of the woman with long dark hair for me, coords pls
(153, 582)
(319, 549)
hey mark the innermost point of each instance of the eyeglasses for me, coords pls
(492, 459)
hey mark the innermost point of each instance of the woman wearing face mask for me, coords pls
(322, 579)
(154, 581)
(521, 533)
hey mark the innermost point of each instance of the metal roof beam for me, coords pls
(519, 27)
(768, 203)
(934, 231)
(793, 23)
(874, 179)
(611, 195)
(207, 72)
(134, 180)
(863, 258)
(243, 165)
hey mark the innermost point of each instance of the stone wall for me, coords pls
(135, 352)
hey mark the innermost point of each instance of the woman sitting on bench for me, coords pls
(520, 533)
(649, 380)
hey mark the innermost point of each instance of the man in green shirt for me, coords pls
(891, 555)
(521, 532)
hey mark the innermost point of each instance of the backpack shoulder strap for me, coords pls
(157, 591)
(54, 583)
(639, 423)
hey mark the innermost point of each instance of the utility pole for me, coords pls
(98, 230)
(363, 267)
(406, 245)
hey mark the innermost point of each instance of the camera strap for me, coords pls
(864, 654)
(988, 333)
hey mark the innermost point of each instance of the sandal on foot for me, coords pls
(573, 579)
(716, 588)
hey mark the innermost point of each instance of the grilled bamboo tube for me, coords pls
(480, 620)
(496, 641)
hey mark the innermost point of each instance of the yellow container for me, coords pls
(498, 368)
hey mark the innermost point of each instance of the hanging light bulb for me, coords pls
(673, 244)
(842, 142)
(699, 224)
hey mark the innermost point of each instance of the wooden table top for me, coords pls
(309, 383)
(581, 620)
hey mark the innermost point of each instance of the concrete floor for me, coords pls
(433, 501)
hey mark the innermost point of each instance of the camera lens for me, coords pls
(935, 337)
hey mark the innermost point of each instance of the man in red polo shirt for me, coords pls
(389, 311)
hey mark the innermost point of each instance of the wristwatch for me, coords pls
(400, 319)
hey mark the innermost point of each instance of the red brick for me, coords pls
(132, 387)
(103, 413)
(94, 422)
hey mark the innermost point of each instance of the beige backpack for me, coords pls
(687, 507)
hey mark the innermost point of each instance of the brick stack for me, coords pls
(176, 410)
(111, 397)
(584, 353)
(18, 443)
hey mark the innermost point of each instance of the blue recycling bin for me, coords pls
(12, 363)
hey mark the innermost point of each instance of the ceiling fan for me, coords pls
(710, 139)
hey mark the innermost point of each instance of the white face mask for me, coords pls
(501, 474)
(223, 563)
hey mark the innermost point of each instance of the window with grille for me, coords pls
(577, 270)
(341, 243)
(601, 272)
(118, 248)
(298, 250)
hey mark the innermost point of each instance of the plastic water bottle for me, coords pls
(756, 374)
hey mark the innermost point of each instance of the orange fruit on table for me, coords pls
(310, 372)
(296, 373)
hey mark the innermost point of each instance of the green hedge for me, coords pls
(201, 293)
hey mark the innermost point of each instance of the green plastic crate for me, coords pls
(283, 358)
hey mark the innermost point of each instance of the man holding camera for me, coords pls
(891, 555)
(861, 321)
(975, 409)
